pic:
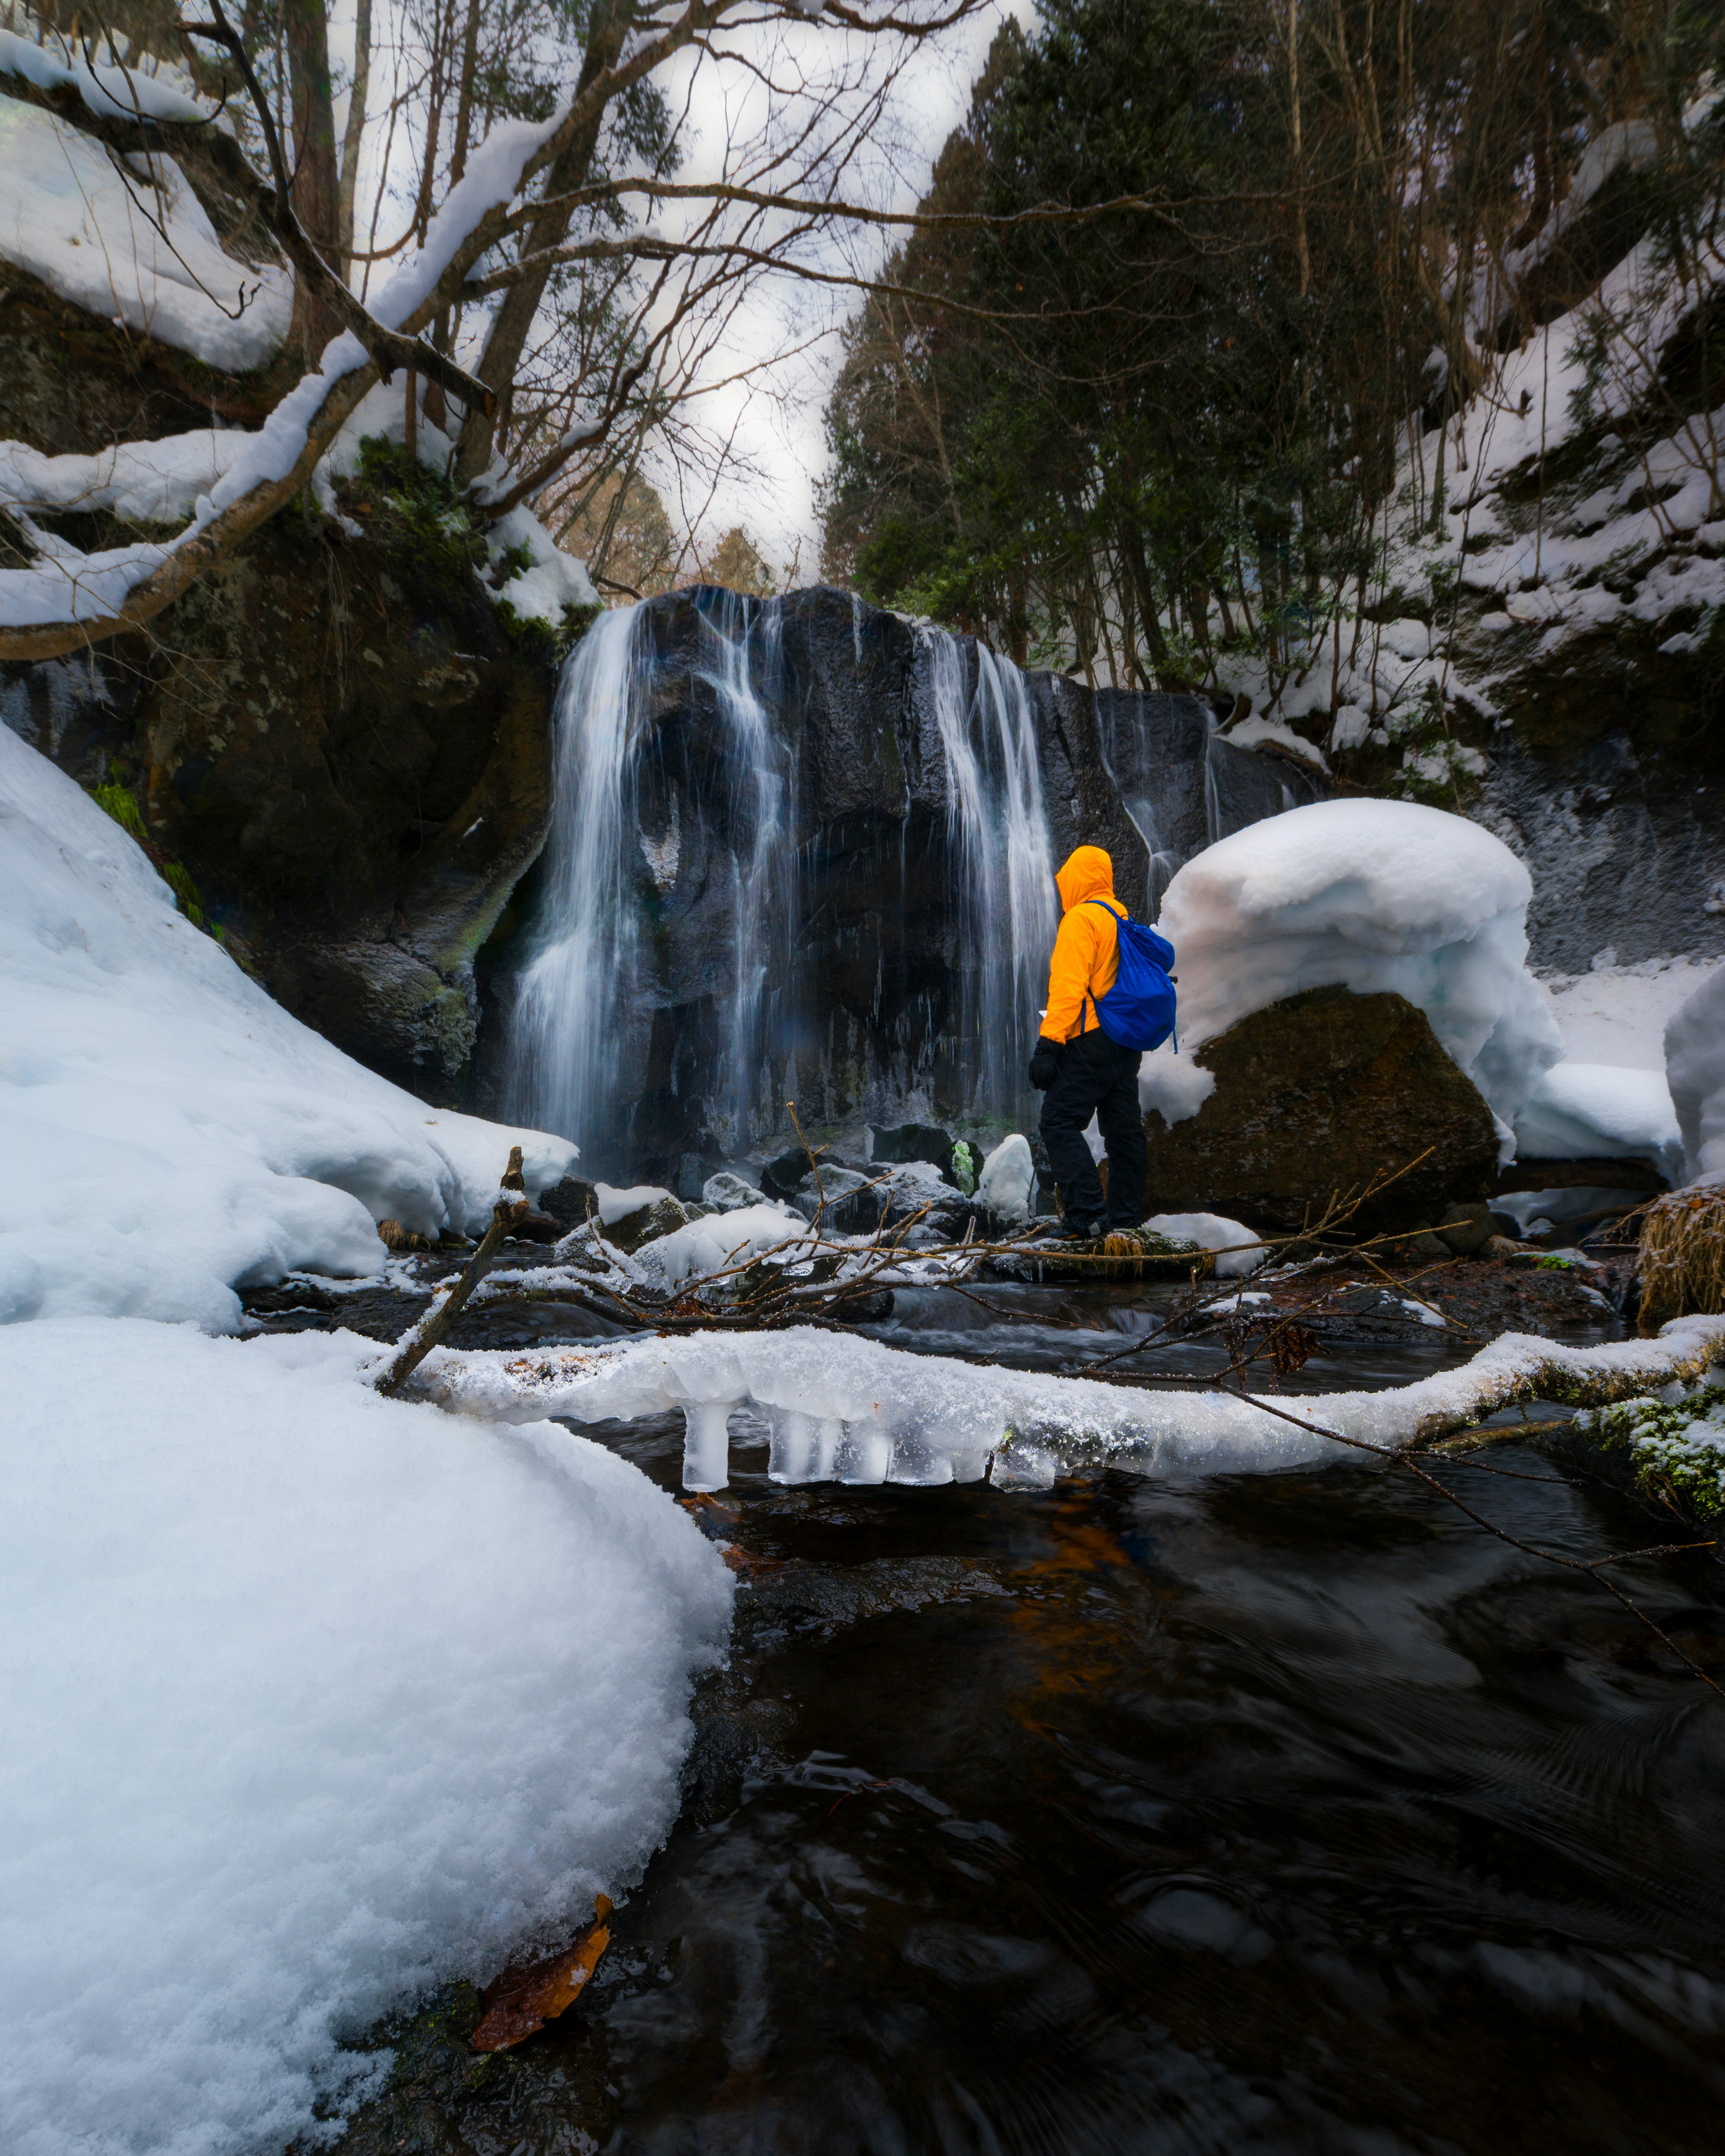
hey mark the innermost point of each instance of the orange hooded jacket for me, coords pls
(1086, 951)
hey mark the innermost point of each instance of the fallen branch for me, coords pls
(511, 1207)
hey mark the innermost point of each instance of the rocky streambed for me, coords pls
(1279, 1811)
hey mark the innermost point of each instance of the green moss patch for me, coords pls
(1674, 1451)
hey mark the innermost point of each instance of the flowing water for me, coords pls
(1277, 1812)
(561, 1063)
(997, 832)
(591, 949)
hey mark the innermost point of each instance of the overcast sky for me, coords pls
(781, 435)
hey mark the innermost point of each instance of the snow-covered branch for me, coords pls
(843, 1408)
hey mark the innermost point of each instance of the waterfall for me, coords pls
(746, 675)
(578, 1038)
(998, 831)
(665, 989)
(562, 1052)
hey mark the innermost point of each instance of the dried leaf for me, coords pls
(524, 1999)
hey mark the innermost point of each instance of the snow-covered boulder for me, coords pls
(1695, 1070)
(640, 1214)
(1322, 1094)
(1239, 1250)
(1369, 896)
(719, 1241)
(1008, 1181)
(167, 1133)
(727, 1193)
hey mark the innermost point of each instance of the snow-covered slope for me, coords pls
(167, 1133)
(144, 255)
(313, 1699)
(1373, 896)
(1695, 1065)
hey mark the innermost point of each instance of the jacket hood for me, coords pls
(1089, 873)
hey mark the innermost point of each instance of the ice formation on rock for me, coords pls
(1373, 895)
(1007, 1180)
(1695, 1067)
(167, 1133)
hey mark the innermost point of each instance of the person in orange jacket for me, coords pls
(1078, 1070)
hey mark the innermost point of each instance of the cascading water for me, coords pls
(680, 973)
(746, 674)
(562, 1053)
(582, 1005)
(999, 830)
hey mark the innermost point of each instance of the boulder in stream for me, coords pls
(1323, 1093)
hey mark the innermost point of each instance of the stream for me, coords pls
(1271, 1812)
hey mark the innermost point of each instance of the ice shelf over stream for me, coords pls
(841, 1408)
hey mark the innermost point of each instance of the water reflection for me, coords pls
(1279, 1813)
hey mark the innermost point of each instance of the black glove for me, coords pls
(1045, 1064)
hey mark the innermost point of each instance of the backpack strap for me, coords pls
(1090, 1001)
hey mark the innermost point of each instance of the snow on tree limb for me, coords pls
(874, 1414)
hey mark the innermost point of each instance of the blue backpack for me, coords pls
(1138, 1011)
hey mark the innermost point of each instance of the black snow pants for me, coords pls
(1097, 1077)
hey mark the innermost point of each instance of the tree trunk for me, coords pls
(608, 28)
(352, 133)
(316, 191)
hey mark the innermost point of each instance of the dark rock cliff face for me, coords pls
(1626, 847)
(354, 769)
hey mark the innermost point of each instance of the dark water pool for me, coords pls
(1287, 1812)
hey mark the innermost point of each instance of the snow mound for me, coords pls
(1239, 1250)
(315, 1699)
(1695, 1066)
(1372, 895)
(1596, 1111)
(840, 1408)
(1009, 1178)
(720, 1240)
(68, 217)
(167, 1133)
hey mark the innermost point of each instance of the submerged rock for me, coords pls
(1325, 1092)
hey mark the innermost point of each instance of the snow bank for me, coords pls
(167, 1133)
(1618, 1015)
(314, 1699)
(68, 217)
(1593, 1112)
(1372, 895)
(840, 1408)
(1239, 1250)
(1695, 1065)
